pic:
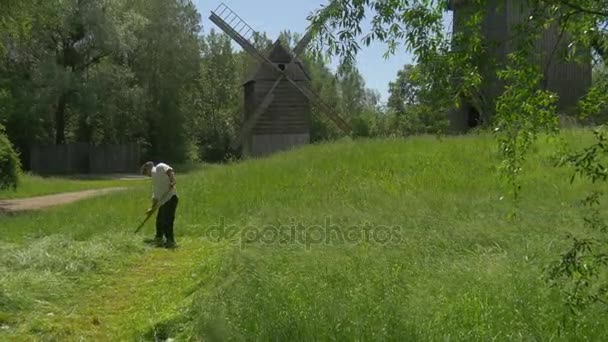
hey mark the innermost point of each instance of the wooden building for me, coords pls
(569, 80)
(286, 122)
(278, 96)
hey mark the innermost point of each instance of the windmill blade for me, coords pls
(328, 110)
(227, 20)
(297, 51)
(235, 27)
(311, 95)
(248, 125)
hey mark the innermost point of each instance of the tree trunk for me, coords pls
(60, 120)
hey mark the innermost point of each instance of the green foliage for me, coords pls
(109, 103)
(110, 72)
(417, 119)
(326, 85)
(452, 68)
(9, 163)
(594, 107)
(101, 72)
(581, 272)
(521, 112)
(403, 90)
(359, 105)
(218, 116)
(409, 105)
(166, 66)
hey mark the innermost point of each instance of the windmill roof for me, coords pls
(277, 54)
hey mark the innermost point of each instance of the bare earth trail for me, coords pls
(42, 202)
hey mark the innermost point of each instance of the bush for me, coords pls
(9, 162)
(415, 120)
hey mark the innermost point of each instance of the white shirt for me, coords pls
(160, 183)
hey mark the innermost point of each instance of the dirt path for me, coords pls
(41, 202)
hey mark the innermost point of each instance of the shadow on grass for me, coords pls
(168, 329)
(6, 209)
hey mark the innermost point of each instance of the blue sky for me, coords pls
(376, 70)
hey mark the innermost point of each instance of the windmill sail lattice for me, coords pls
(237, 29)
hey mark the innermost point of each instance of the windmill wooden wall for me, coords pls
(286, 122)
(570, 80)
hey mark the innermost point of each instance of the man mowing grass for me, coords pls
(165, 196)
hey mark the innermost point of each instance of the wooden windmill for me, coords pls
(278, 96)
(570, 80)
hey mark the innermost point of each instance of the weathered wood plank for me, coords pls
(255, 115)
(302, 43)
(327, 110)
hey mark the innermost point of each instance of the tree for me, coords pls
(108, 102)
(9, 163)
(325, 84)
(107, 71)
(408, 105)
(166, 63)
(403, 92)
(53, 48)
(20, 96)
(219, 113)
(358, 104)
(79, 35)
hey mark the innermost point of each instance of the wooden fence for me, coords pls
(83, 158)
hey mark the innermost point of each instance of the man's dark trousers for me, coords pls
(164, 219)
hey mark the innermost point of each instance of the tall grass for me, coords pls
(46, 258)
(462, 269)
(459, 266)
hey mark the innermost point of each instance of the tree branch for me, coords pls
(583, 10)
(92, 61)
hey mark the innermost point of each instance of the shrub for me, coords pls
(9, 162)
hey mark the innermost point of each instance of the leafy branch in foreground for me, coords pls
(447, 75)
(581, 271)
(524, 109)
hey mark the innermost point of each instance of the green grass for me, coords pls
(32, 185)
(460, 270)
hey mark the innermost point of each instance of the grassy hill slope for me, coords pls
(381, 239)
